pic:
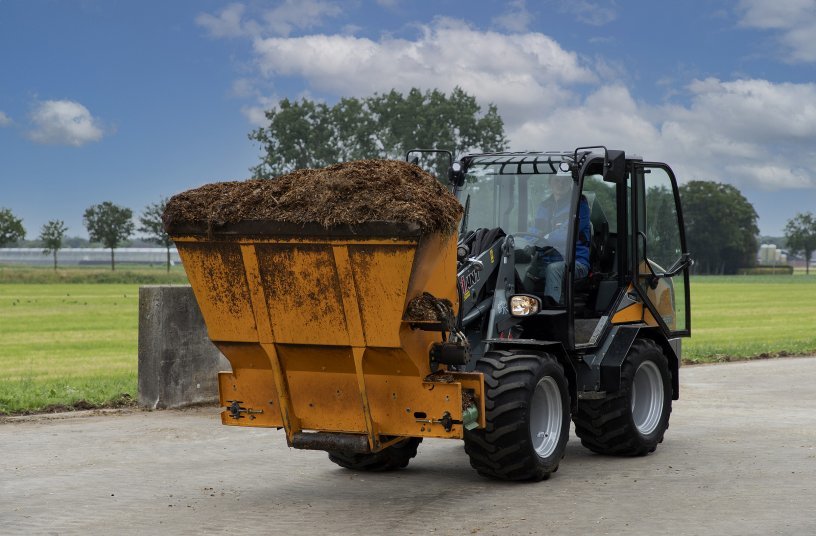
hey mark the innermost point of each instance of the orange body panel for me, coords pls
(661, 296)
(314, 331)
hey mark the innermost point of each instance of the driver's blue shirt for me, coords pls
(554, 217)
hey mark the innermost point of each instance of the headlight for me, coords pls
(523, 305)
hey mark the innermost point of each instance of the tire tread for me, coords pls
(389, 459)
(604, 426)
(503, 449)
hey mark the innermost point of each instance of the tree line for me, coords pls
(721, 225)
(106, 223)
(722, 232)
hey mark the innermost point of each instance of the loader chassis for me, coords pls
(314, 321)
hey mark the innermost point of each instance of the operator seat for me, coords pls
(584, 290)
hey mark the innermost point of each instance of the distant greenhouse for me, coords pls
(88, 256)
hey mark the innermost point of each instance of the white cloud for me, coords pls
(4, 120)
(63, 122)
(744, 132)
(300, 14)
(516, 19)
(518, 72)
(609, 116)
(228, 23)
(594, 13)
(774, 13)
(748, 132)
(771, 113)
(243, 88)
(281, 20)
(350, 29)
(256, 114)
(795, 20)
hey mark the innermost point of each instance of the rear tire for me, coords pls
(527, 409)
(633, 420)
(390, 458)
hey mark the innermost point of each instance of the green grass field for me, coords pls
(124, 273)
(75, 344)
(62, 343)
(738, 317)
(68, 340)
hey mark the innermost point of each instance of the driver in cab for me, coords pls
(551, 224)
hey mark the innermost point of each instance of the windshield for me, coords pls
(528, 200)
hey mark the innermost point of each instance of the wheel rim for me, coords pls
(545, 417)
(647, 397)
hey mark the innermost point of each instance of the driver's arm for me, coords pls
(542, 220)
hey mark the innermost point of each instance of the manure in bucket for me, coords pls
(348, 193)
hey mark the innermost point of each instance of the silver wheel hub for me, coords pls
(546, 413)
(647, 397)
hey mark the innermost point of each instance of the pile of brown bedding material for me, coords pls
(349, 193)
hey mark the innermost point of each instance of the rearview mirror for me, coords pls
(616, 167)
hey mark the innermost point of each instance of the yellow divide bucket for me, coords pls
(312, 322)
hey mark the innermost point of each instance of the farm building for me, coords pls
(88, 256)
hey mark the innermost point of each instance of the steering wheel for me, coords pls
(531, 236)
(536, 239)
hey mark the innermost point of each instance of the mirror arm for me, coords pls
(653, 278)
(684, 262)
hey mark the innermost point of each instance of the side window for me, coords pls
(602, 194)
(661, 223)
(604, 219)
(659, 242)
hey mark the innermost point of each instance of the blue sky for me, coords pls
(129, 101)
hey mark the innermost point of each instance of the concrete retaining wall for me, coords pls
(178, 365)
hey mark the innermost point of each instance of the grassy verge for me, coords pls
(124, 273)
(75, 344)
(744, 317)
(67, 345)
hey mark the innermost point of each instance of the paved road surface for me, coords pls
(740, 458)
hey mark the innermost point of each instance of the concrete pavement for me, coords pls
(739, 458)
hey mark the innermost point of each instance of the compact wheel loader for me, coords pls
(361, 340)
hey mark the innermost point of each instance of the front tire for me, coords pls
(527, 409)
(390, 458)
(633, 420)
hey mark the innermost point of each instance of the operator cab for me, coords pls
(541, 202)
(532, 197)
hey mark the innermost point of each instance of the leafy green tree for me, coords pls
(52, 235)
(308, 134)
(721, 228)
(800, 233)
(434, 120)
(109, 224)
(11, 228)
(299, 135)
(152, 225)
